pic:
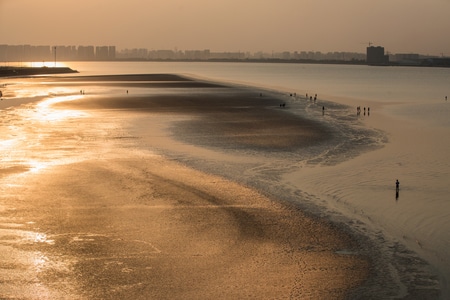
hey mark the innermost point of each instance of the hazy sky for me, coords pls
(419, 26)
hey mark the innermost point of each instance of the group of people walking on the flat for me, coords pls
(314, 99)
(358, 111)
(311, 98)
(308, 97)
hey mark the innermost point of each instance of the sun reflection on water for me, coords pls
(44, 111)
(39, 262)
(22, 89)
(48, 64)
(36, 166)
(36, 237)
(5, 144)
(34, 135)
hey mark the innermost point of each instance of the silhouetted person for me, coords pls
(397, 189)
(323, 110)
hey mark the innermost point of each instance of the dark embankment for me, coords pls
(28, 71)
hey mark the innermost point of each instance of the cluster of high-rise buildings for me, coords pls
(19, 53)
(238, 55)
(375, 55)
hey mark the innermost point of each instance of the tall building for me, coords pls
(65, 52)
(105, 52)
(376, 56)
(86, 53)
(101, 53)
(21, 53)
(112, 52)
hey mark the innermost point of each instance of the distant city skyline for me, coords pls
(401, 26)
(375, 55)
(36, 53)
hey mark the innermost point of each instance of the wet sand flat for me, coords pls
(126, 223)
(148, 228)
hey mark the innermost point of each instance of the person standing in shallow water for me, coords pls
(397, 188)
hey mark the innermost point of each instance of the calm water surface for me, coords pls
(383, 84)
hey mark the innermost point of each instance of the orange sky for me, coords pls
(419, 26)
